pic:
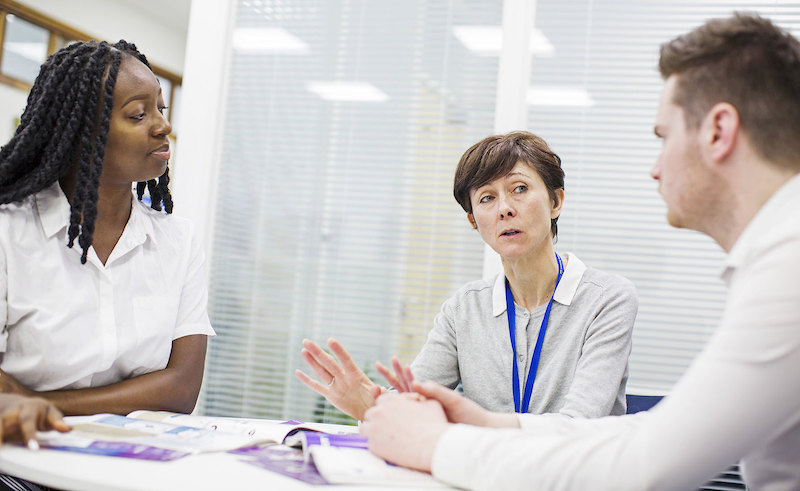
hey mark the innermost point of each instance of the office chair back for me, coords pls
(637, 403)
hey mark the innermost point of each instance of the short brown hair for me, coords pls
(496, 155)
(750, 63)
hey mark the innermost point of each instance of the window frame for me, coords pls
(58, 30)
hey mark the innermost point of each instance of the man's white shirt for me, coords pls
(738, 400)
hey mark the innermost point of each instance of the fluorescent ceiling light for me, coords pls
(267, 40)
(559, 96)
(347, 91)
(488, 40)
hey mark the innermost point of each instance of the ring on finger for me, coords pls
(330, 384)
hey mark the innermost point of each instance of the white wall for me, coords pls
(162, 41)
(196, 166)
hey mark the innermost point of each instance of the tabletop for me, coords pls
(210, 471)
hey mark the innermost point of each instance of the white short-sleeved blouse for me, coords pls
(67, 325)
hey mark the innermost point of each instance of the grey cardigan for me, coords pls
(583, 366)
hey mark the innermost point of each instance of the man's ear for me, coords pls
(557, 204)
(719, 131)
(472, 221)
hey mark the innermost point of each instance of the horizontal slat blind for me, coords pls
(613, 217)
(336, 218)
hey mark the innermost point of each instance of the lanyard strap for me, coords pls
(510, 314)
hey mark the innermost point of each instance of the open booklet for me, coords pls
(161, 435)
(316, 453)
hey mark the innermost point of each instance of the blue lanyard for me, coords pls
(510, 314)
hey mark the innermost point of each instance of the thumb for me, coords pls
(55, 420)
(375, 391)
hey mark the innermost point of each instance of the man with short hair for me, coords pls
(729, 119)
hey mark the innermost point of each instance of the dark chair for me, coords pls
(637, 403)
(729, 480)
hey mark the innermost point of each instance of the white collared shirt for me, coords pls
(739, 398)
(565, 290)
(68, 325)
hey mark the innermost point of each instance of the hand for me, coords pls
(9, 385)
(403, 430)
(21, 416)
(459, 409)
(401, 379)
(345, 385)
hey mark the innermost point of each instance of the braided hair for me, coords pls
(65, 124)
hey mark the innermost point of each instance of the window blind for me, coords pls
(345, 121)
(613, 217)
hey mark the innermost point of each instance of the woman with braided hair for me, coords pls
(120, 322)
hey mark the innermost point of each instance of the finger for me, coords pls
(312, 384)
(403, 373)
(375, 391)
(55, 420)
(388, 375)
(10, 420)
(408, 376)
(319, 354)
(27, 423)
(398, 370)
(323, 373)
(344, 357)
(324, 359)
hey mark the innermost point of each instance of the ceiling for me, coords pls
(173, 14)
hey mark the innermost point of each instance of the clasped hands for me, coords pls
(402, 427)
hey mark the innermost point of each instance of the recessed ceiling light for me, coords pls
(347, 91)
(488, 40)
(267, 40)
(559, 96)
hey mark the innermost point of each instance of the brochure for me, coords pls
(259, 430)
(315, 453)
(164, 436)
(288, 461)
(304, 439)
(323, 461)
(343, 465)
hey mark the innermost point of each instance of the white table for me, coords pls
(213, 471)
